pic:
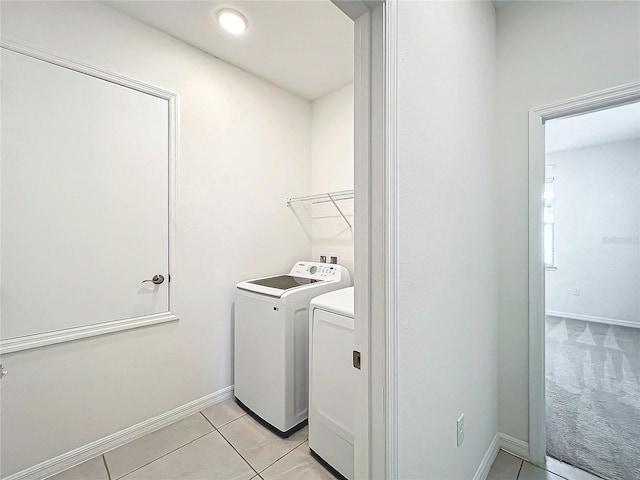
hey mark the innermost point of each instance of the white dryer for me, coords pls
(271, 342)
(332, 379)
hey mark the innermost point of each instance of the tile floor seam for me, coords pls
(208, 421)
(556, 474)
(278, 459)
(104, 460)
(236, 450)
(231, 421)
(164, 455)
(224, 424)
(519, 470)
(578, 468)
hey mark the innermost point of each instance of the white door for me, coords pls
(85, 199)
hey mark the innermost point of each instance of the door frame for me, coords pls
(612, 97)
(375, 47)
(41, 339)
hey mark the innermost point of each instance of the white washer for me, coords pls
(271, 341)
(332, 379)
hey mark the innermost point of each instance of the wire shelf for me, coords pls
(332, 197)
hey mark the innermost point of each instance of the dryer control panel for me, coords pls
(317, 270)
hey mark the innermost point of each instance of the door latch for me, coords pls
(356, 359)
(156, 280)
(3, 372)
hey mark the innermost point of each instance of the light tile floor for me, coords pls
(508, 467)
(220, 443)
(224, 443)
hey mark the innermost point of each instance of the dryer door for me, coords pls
(332, 387)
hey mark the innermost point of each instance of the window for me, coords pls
(549, 211)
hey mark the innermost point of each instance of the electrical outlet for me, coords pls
(323, 258)
(576, 291)
(460, 430)
(333, 259)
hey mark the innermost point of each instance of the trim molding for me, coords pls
(392, 235)
(489, 457)
(514, 446)
(501, 441)
(589, 318)
(369, 238)
(611, 97)
(87, 452)
(362, 241)
(68, 334)
(86, 69)
(26, 342)
(537, 416)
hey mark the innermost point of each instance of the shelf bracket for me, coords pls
(333, 197)
(339, 209)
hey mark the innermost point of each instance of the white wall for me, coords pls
(332, 151)
(244, 148)
(547, 52)
(447, 339)
(597, 226)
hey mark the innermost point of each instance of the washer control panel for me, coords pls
(317, 270)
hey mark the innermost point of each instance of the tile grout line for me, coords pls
(231, 421)
(164, 455)
(554, 473)
(208, 421)
(104, 460)
(224, 424)
(520, 470)
(275, 461)
(278, 459)
(572, 466)
(239, 454)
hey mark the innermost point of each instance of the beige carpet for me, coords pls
(593, 397)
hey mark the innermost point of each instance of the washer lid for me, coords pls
(277, 285)
(284, 282)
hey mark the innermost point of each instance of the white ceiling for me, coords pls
(618, 124)
(304, 46)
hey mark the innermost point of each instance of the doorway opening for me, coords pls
(592, 286)
(233, 187)
(584, 284)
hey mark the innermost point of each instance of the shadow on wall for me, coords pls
(330, 232)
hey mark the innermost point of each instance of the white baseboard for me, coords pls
(488, 459)
(504, 442)
(590, 318)
(514, 446)
(87, 452)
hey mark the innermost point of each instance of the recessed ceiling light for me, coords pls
(232, 21)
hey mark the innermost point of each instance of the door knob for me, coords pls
(3, 372)
(157, 279)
